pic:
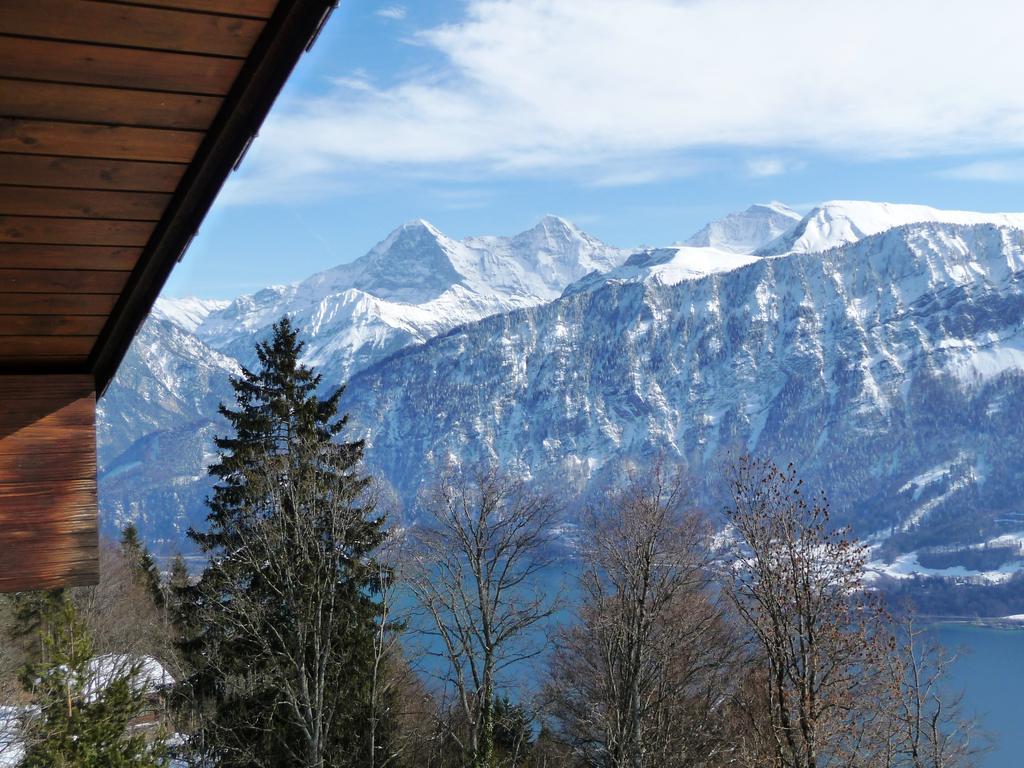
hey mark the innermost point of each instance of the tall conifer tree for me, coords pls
(279, 626)
(141, 563)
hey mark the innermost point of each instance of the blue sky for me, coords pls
(483, 115)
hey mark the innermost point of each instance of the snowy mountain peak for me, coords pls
(413, 264)
(664, 266)
(840, 222)
(746, 231)
(187, 313)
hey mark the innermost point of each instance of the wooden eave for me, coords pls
(119, 122)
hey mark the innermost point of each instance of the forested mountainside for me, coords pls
(887, 365)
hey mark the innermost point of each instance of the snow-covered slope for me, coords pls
(414, 284)
(157, 420)
(188, 313)
(666, 266)
(840, 222)
(888, 367)
(746, 231)
(869, 365)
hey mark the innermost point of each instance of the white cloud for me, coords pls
(992, 170)
(765, 166)
(394, 12)
(567, 84)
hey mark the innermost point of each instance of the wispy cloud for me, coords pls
(764, 167)
(988, 170)
(393, 12)
(561, 85)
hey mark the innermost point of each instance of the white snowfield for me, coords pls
(418, 283)
(746, 231)
(188, 313)
(841, 222)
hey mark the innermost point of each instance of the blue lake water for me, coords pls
(991, 674)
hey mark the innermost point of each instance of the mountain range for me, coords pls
(880, 347)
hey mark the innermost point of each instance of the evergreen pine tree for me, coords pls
(141, 563)
(176, 589)
(279, 627)
(85, 704)
(32, 613)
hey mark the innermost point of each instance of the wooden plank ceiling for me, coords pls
(119, 121)
(103, 106)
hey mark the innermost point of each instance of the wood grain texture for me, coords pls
(57, 303)
(50, 325)
(48, 500)
(55, 231)
(61, 281)
(134, 26)
(84, 173)
(258, 9)
(97, 141)
(27, 256)
(18, 347)
(113, 106)
(81, 203)
(78, 63)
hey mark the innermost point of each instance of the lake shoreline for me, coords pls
(996, 622)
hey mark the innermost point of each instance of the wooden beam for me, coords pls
(50, 325)
(99, 141)
(82, 203)
(57, 303)
(61, 281)
(28, 256)
(57, 231)
(256, 9)
(85, 173)
(112, 106)
(48, 500)
(78, 63)
(114, 24)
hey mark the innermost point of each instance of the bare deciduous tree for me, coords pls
(838, 684)
(401, 711)
(922, 719)
(796, 585)
(480, 551)
(641, 679)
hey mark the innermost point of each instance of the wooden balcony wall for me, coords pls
(48, 534)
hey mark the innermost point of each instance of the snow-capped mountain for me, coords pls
(873, 365)
(188, 313)
(667, 266)
(881, 347)
(841, 222)
(746, 231)
(413, 285)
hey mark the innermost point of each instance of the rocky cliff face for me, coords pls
(889, 367)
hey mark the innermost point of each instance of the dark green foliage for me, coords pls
(141, 564)
(279, 626)
(513, 730)
(85, 703)
(32, 614)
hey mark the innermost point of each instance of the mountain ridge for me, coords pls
(687, 337)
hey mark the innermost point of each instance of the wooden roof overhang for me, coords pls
(119, 121)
